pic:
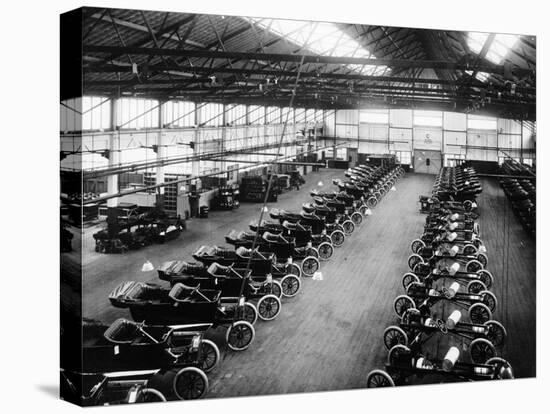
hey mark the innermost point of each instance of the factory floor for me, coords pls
(329, 336)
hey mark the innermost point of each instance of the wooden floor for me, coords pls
(330, 335)
(512, 260)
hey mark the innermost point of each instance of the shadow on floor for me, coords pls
(51, 390)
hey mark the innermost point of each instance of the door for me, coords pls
(352, 157)
(427, 161)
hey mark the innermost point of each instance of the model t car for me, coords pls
(480, 305)
(233, 282)
(128, 362)
(404, 364)
(415, 329)
(182, 304)
(281, 279)
(284, 248)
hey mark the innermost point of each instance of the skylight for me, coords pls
(323, 39)
(482, 76)
(499, 48)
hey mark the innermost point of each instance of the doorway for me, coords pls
(427, 161)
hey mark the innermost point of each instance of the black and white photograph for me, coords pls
(313, 208)
(243, 197)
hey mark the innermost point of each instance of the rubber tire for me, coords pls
(192, 371)
(242, 325)
(216, 353)
(270, 301)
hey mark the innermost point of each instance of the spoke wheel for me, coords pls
(325, 251)
(413, 260)
(310, 265)
(348, 226)
(269, 307)
(150, 395)
(379, 378)
(483, 259)
(357, 218)
(409, 278)
(402, 303)
(479, 313)
(371, 201)
(240, 335)
(469, 250)
(210, 355)
(473, 266)
(276, 289)
(290, 285)
(248, 313)
(416, 245)
(503, 369)
(312, 251)
(293, 269)
(395, 354)
(394, 335)
(489, 299)
(190, 383)
(481, 350)
(486, 277)
(337, 237)
(476, 286)
(496, 333)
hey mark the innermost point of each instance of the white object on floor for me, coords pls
(317, 276)
(147, 266)
(393, 188)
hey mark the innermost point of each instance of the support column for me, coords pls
(161, 153)
(112, 185)
(195, 165)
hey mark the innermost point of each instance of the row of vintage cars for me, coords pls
(162, 352)
(445, 328)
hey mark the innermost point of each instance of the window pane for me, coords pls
(428, 118)
(374, 116)
(480, 122)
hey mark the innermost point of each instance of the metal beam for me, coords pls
(190, 71)
(396, 63)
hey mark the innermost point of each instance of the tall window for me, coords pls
(235, 115)
(211, 114)
(310, 115)
(482, 122)
(300, 115)
(287, 114)
(273, 115)
(134, 113)
(256, 115)
(428, 118)
(374, 116)
(96, 113)
(178, 114)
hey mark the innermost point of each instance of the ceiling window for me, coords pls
(374, 116)
(323, 39)
(481, 76)
(428, 118)
(482, 122)
(499, 48)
